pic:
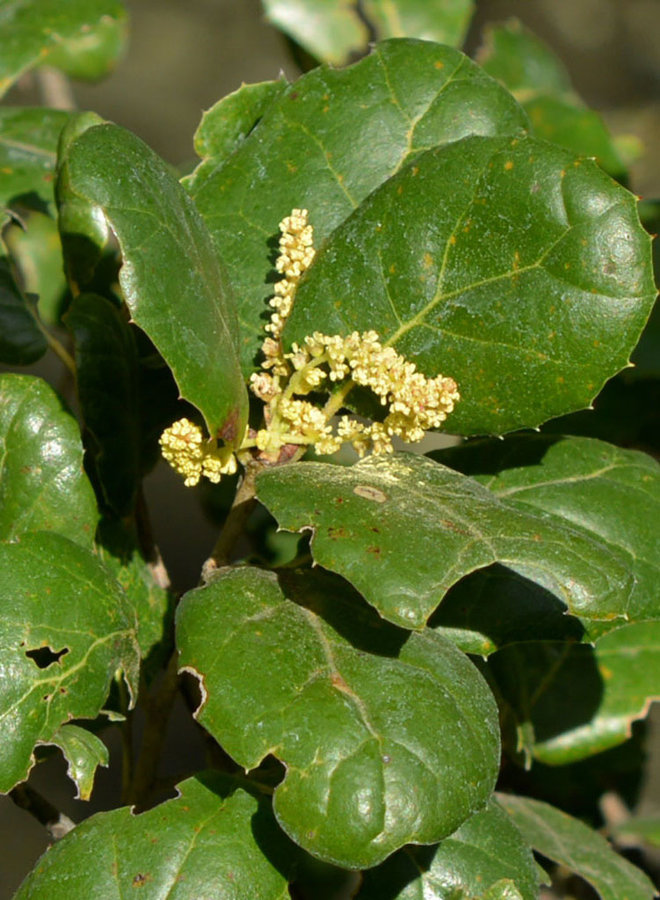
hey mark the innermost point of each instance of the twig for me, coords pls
(239, 513)
(157, 710)
(55, 822)
(126, 731)
(55, 88)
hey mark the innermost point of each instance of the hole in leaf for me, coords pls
(46, 656)
(192, 685)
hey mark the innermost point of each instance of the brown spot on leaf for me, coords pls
(452, 526)
(370, 493)
(228, 430)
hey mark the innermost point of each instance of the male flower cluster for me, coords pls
(329, 364)
(184, 447)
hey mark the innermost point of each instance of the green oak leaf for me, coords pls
(335, 31)
(84, 753)
(641, 829)
(42, 483)
(105, 355)
(575, 846)
(331, 30)
(81, 35)
(403, 529)
(331, 138)
(67, 629)
(610, 685)
(604, 491)
(21, 340)
(446, 22)
(486, 849)
(144, 583)
(28, 154)
(217, 840)
(229, 121)
(505, 263)
(541, 84)
(171, 278)
(36, 251)
(330, 693)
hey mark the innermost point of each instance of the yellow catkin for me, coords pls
(414, 402)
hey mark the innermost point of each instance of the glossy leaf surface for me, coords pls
(539, 81)
(31, 30)
(610, 685)
(485, 849)
(42, 483)
(229, 121)
(328, 29)
(326, 144)
(607, 492)
(404, 529)
(215, 841)
(143, 582)
(84, 753)
(521, 273)
(28, 153)
(67, 629)
(571, 844)
(171, 278)
(332, 692)
(334, 31)
(446, 22)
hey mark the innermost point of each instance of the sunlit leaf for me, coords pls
(217, 840)
(84, 753)
(485, 849)
(332, 137)
(171, 278)
(334, 31)
(570, 843)
(404, 529)
(604, 491)
(42, 483)
(539, 81)
(520, 272)
(332, 692)
(81, 35)
(28, 154)
(66, 630)
(229, 121)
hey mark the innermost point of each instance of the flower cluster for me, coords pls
(416, 403)
(184, 447)
(322, 363)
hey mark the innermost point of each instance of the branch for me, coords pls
(56, 823)
(243, 504)
(157, 711)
